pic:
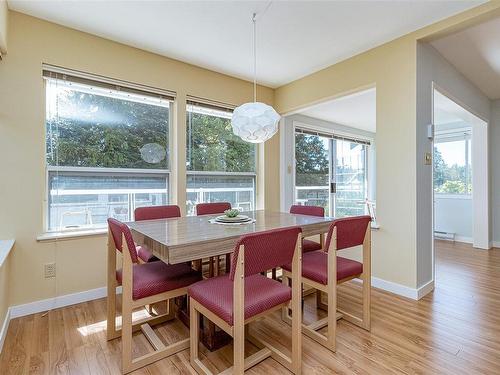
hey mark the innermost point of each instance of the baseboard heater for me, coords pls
(444, 235)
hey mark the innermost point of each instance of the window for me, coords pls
(452, 163)
(220, 166)
(106, 151)
(330, 171)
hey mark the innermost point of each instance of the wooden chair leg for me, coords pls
(332, 318)
(228, 263)
(111, 332)
(211, 267)
(111, 300)
(366, 302)
(194, 334)
(126, 335)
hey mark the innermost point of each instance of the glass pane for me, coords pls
(238, 190)
(452, 167)
(311, 171)
(350, 176)
(85, 129)
(211, 144)
(87, 200)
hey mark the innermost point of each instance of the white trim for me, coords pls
(56, 302)
(464, 239)
(215, 173)
(69, 235)
(403, 290)
(55, 168)
(5, 248)
(425, 289)
(389, 286)
(108, 80)
(5, 328)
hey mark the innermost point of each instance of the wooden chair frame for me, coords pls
(240, 328)
(128, 305)
(311, 330)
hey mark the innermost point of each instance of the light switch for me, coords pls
(428, 158)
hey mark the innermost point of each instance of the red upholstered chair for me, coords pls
(324, 270)
(153, 213)
(234, 300)
(213, 209)
(142, 284)
(308, 245)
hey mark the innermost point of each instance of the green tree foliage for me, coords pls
(312, 161)
(91, 130)
(212, 146)
(450, 179)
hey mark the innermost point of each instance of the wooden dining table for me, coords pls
(190, 238)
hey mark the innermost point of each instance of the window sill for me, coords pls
(452, 196)
(69, 235)
(5, 248)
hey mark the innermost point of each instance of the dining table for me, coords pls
(191, 238)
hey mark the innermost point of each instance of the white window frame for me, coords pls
(464, 134)
(62, 232)
(201, 102)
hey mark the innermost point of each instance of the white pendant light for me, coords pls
(255, 122)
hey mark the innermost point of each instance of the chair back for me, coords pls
(119, 229)
(307, 210)
(157, 212)
(212, 208)
(266, 250)
(351, 231)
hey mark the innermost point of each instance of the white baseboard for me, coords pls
(464, 239)
(56, 302)
(425, 289)
(495, 244)
(389, 286)
(5, 328)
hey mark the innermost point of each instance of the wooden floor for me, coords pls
(454, 330)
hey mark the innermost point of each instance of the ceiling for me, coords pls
(295, 38)
(446, 111)
(356, 110)
(475, 52)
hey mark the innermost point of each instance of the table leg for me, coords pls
(210, 335)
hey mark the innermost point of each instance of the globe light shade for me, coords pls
(255, 122)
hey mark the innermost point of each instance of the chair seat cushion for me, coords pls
(315, 267)
(145, 254)
(308, 246)
(261, 294)
(157, 277)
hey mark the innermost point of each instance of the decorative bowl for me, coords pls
(232, 212)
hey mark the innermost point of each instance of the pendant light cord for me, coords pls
(254, 20)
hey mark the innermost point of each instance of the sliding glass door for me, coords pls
(312, 171)
(331, 172)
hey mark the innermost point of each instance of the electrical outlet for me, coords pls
(50, 270)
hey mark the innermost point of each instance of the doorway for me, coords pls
(460, 173)
(328, 155)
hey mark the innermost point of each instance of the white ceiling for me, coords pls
(446, 111)
(356, 110)
(475, 52)
(295, 38)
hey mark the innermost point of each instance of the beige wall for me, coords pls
(3, 26)
(81, 262)
(392, 68)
